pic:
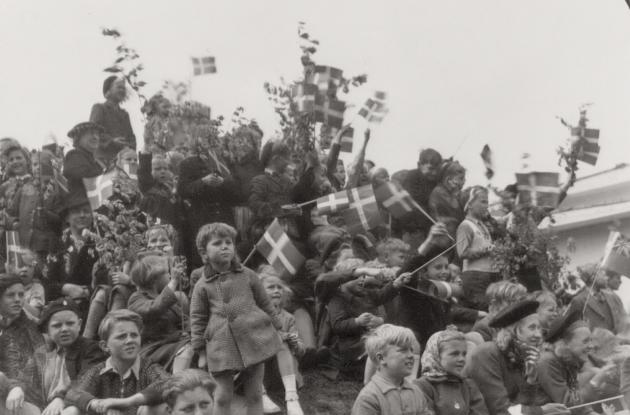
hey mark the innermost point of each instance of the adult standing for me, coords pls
(115, 121)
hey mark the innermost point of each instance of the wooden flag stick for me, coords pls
(595, 402)
(250, 255)
(426, 264)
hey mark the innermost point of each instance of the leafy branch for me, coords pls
(127, 63)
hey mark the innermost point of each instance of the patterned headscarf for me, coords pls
(430, 361)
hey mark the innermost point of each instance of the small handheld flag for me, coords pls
(99, 189)
(14, 250)
(204, 65)
(362, 214)
(304, 97)
(329, 111)
(325, 76)
(374, 109)
(538, 188)
(617, 254)
(332, 203)
(279, 251)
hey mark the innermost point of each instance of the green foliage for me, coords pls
(127, 63)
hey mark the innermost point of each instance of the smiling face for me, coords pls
(479, 206)
(157, 240)
(193, 402)
(64, 327)
(123, 343)
(127, 157)
(80, 217)
(396, 361)
(438, 269)
(580, 344)
(17, 163)
(89, 141)
(12, 301)
(453, 356)
(529, 331)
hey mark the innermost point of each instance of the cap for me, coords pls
(513, 313)
(60, 304)
(81, 128)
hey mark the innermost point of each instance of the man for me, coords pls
(601, 307)
(118, 133)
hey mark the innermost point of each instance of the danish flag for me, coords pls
(324, 75)
(204, 65)
(279, 251)
(332, 203)
(99, 189)
(587, 144)
(397, 201)
(362, 214)
(304, 97)
(538, 188)
(374, 109)
(329, 111)
(14, 250)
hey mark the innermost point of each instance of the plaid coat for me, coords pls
(231, 315)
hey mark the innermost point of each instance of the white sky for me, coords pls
(494, 71)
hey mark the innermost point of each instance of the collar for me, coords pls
(111, 104)
(210, 274)
(134, 369)
(385, 385)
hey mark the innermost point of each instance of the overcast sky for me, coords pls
(458, 73)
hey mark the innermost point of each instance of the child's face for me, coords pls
(12, 301)
(160, 170)
(275, 290)
(453, 356)
(158, 241)
(396, 258)
(124, 341)
(64, 327)
(396, 361)
(193, 402)
(438, 269)
(479, 207)
(547, 311)
(456, 182)
(220, 250)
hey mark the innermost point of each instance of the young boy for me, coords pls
(392, 349)
(189, 391)
(392, 254)
(124, 381)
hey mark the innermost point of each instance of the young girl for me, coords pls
(447, 391)
(292, 346)
(164, 311)
(232, 320)
(474, 245)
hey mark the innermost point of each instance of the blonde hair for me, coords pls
(377, 341)
(118, 316)
(184, 381)
(391, 245)
(267, 273)
(503, 293)
(145, 271)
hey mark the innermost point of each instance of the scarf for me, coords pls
(430, 361)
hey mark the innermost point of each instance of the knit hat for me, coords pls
(513, 313)
(107, 84)
(60, 304)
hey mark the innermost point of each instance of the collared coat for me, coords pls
(79, 164)
(381, 397)
(232, 317)
(453, 396)
(606, 312)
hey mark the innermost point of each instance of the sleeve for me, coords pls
(93, 355)
(97, 115)
(76, 167)
(332, 159)
(464, 239)
(199, 316)
(476, 402)
(132, 136)
(81, 393)
(258, 201)
(145, 179)
(291, 328)
(342, 322)
(624, 387)
(386, 293)
(326, 284)
(552, 382)
(262, 299)
(148, 307)
(366, 404)
(153, 392)
(355, 170)
(302, 191)
(428, 392)
(486, 372)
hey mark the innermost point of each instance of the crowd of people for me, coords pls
(156, 300)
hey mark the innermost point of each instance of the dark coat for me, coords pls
(116, 123)
(453, 396)
(78, 165)
(420, 188)
(162, 314)
(158, 200)
(445, 207)
(233, 319)
(606, 312)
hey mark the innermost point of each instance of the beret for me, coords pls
(60, 304)
(83, 127)
(8, 280)
(513, 313)
(568, 321)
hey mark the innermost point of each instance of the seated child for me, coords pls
(292, 346)
(391, 348)
(125, 380)
(447, 391)
(500, 295)
(164, 312)
(189, 391)
(34, 294)
(392, 254)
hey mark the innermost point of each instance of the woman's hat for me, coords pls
(567, 321)
(514, 313)
(60, 304)
(83, 127)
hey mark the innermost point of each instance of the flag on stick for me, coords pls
(329, 111)
(99, 189)
(279, 251)
(325, 75)
(131, 169)
(617, 254)
(204, 65)
(362, 214)
(538, 188)
(14, 250)
(374, 109)
(217, 165)
(587, 144)
(304, 97)
(332, 203)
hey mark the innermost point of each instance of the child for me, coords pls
(164, 311)
(392, 254)
(124, 381)
(548, 308)
(231, 319)
(444, 203)
(292, 346)
(474, 245)
(189, 392)
(391, 348)
(447, 391)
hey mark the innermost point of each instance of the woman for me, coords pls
(447, 391)
(558, 368)
(505, 369)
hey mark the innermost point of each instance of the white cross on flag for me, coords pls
(373, 110)
(362, 214)
(329, 111)
(538, 188)
(204, 65)
(587, 140)
(131, 169)
(617, 254)
(332, 203)
(99, 189)
(324, 75)
(304, 97)
(14, 250)
(279, 251)
(397, 201)
(347, 139)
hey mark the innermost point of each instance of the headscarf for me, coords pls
(430, 361)
(469, 195)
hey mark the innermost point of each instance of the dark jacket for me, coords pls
(116, 123)
(158, 199)
(604, 309)
(162, 314)
(453, 396)
(79, 164)
(420, 188)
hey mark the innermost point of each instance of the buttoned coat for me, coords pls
(231, 316)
